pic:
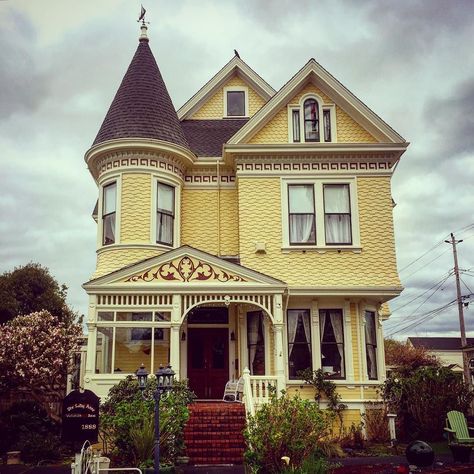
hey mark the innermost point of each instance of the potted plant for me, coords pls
(461, 452)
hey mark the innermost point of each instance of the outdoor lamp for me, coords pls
(142, 376)
(165, 378)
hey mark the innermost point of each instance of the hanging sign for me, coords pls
(81, 416)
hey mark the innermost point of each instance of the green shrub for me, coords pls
(286, 426)
(26, 427)
(422, 399)
(127, 421)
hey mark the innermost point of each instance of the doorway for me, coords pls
(208, 361)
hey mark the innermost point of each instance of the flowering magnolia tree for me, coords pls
(36, 354)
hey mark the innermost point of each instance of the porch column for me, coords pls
(175, 340)
(92, 337)
(278, 329)
(349, 356)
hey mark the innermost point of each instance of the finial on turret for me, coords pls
(143, 27)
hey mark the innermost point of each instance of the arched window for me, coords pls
(311, 120)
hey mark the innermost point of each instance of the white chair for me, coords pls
(234, 390)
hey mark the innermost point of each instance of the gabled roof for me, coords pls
(440, 343)
(187, 265)
(206, 137)
(142, 107)
(313, 71)
(234, 65)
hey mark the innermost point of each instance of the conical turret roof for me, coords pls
(142, 107)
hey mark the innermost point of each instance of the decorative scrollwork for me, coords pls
(186, 270)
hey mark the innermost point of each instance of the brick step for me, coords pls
(212, 435)
(222, 453)
(217, 443)
(206, 427)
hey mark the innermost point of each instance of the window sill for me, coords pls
(150, 245)
(342, 382)
(321, 249)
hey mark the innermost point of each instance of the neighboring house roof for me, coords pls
(234, 66)
(206, 137)
(439, 343)
(142, 107)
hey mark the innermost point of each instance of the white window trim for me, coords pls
(243, 89)
(111, 179)
(319, 209)
(380, 351)
(177, 211)
(322, 107)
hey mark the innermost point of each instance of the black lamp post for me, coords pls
(165, 379)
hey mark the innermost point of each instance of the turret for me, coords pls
(138, 160)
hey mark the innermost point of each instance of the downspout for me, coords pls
(218, 209)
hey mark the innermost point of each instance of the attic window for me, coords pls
(311, 121)
(235, 102)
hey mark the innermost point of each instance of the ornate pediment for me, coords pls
(186, 269)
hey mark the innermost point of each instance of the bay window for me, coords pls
(109, 208)
(299, 342)
(165, 214)
(302, 222)
(371, 344)
(337, 214)
(331, 330)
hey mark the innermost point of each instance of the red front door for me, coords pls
(208, 361)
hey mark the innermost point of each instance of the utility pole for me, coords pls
(467, 372)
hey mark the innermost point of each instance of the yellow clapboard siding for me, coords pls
(136, 208)
(199, 220)
(260, 220)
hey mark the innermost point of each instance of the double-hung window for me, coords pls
(299, 342)
(337, 214)
(302, 221)
(371, 344)
(165, 214)
(331, 330)
(320, 213)
(109, 208)
(311, 120)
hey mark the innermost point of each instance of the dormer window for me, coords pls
(311, 121)
(235, 102)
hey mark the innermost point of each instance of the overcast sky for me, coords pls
(62, 61)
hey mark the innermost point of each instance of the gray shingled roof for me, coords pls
(142, 107)
(206, 137)
(440, 343)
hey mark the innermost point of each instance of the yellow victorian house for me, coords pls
(248, 233)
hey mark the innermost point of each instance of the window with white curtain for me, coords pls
(302, 224)
(165, 214)
(109, 208)
(371, 344)
(320, 212)
(331, 330)
(299, 342)
(337, 214)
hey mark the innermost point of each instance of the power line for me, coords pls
(422, 294)
(426, 264)
(464, 283)
(424, 317)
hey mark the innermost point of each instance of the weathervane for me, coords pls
(142, 17)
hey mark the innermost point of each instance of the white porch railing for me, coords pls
(257, 389)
